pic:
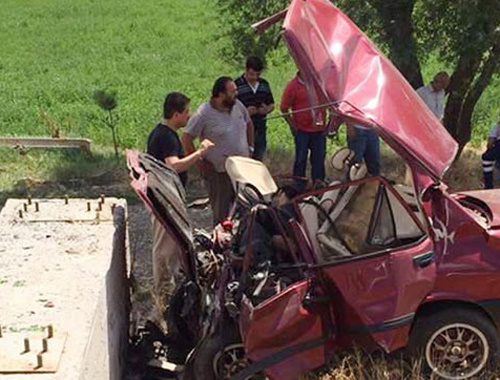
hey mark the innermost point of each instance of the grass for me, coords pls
(56, 173)
(56, 53)
(358, 365)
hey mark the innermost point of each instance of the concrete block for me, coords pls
(64, 265)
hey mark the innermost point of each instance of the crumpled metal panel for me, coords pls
(339, 63)
(282, 323)
(161, 190)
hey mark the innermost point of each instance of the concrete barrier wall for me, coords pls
(67, 264)
(106, 352)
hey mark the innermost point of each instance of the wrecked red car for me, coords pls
(293, 278)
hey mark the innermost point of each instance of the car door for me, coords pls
(285, 336)
(386, 265)
(373, 292)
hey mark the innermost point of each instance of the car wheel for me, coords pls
(455, 344)
(231, 360)
(215, 360)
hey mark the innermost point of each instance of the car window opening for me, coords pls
(356, 220)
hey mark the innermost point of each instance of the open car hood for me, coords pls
(339, 63)
(162, 192)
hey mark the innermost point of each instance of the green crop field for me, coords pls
(56, 53)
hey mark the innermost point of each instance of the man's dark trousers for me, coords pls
(489, 158)
(316, 143)
(260, 143)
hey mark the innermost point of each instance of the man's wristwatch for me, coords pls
(251, 149)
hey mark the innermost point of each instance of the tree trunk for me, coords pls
(397, 27)
(488, 69)
(460, 82)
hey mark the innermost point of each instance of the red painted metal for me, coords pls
(281, 322)
(140, 185)
(381, 289)
(339, 62)
(371, 299)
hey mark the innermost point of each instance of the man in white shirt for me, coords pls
(434, 93)
(491, 155)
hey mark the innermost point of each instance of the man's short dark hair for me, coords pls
(174, 102)
(255, 63)
(220, 86)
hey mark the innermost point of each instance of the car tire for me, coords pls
(455, 344)
(213, 356)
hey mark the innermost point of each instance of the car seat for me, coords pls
(243, 170)
(330, 205)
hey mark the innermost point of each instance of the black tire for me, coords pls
(447, 342)
(201, 365)
(207, 362)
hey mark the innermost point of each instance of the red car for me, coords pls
(293, 278)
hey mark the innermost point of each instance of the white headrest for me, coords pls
(243, 170)
(342, 158)
(357, 171)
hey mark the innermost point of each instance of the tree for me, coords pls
(107, 101)
(469, 40)
(465, 34)
(238, 15)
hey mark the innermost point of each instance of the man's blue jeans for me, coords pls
(366, 145)
(316, 143)
(260, 144)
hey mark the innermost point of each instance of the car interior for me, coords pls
(347, 219)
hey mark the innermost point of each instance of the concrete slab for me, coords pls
(46, 142)
(68, 267)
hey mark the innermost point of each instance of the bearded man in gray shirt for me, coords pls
(226, 122)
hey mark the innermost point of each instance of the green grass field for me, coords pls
(56, 53)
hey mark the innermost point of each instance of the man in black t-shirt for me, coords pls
(164, 145)
(255, 93)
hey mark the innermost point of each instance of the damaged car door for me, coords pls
(375, 256)
(374, 267)
(286, 335)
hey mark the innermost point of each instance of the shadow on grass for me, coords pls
(38, 173)
(44, 174)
